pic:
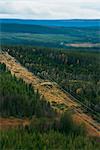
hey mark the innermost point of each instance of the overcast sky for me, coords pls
(50, 9)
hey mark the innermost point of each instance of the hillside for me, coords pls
(59, 23)
(51, 93)
(40, 132)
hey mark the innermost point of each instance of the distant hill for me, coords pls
(40, 29)
(50, 33)
(63, 23)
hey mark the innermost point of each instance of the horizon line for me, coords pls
(49, 19)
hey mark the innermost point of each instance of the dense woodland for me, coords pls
(47, 130)
(78, 72)
(29, 139)
(19, 99)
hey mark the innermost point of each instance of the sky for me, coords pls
(50, 9)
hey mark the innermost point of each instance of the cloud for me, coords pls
(53, 9)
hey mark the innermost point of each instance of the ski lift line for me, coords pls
(52, 81)
(85, 119)
(93, 115)
(97, 117)
(94, 124)
(58, 95)
(77, 100)
(80, 96)
(82, 104)
(59, 85)
(71, 96)
(74, 97)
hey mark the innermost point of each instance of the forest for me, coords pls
(77, 72)
(18, 99)
(47, 129)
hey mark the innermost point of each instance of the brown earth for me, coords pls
(6, 123)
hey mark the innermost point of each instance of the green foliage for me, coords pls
(66, 123)
(19, 99)
(44, 132)
(22, 139)
(78, 72)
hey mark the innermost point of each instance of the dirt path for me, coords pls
(50, 91)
